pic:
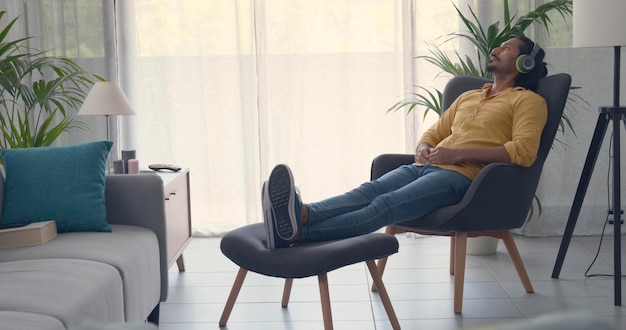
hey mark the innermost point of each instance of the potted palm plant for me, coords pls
(484, 39)
(37, 93)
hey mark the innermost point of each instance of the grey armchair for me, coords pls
(498, 199)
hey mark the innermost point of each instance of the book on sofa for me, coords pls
(31, 234)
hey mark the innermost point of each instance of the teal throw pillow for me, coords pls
(65, 184)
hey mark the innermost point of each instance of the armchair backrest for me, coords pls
(459, 85)
(554, 89)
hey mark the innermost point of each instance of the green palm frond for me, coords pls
(541, 15)
(460, 66)
(431, 101)
(38, 93)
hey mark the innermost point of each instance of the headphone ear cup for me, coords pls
(525, 63)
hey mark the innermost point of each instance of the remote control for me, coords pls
(158, 167)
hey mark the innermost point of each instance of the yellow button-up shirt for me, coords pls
(514, 118)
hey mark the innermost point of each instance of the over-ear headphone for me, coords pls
(525, 62)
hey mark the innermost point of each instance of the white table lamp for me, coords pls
(106, 98)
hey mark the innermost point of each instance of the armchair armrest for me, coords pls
(137, 200)
(387, 162)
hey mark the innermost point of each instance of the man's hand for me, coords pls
(439, 155)
(444, 156)
(422, 153)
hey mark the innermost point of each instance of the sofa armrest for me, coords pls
(137, 200)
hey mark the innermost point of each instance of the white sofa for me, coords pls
(92, 277)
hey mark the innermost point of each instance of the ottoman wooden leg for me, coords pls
(382, 292)
(287, 291)
(234, 292)
(325, 298)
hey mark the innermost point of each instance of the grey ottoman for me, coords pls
(247, 247)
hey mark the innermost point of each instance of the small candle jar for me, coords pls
(133, 166)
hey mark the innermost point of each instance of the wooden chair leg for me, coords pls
(232, 297)
(460, 253)
(325, 299)
(511, 248)
(452, 251)
(380, 269)
(391, 230)
(287, 292)
(382, 292)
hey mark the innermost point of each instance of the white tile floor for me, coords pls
(418, 282)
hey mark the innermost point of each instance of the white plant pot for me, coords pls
(481, 246)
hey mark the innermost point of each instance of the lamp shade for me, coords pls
(106, 98)
(599, 23)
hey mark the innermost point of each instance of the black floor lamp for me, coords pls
(601, 23)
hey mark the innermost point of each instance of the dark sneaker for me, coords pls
(285, 202)
(273, 240)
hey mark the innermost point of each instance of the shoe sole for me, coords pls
(281, 192)
(273, 240)
(267, 217)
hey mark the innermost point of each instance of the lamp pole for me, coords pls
(616, 72)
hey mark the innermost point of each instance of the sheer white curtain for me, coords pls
(232, 88)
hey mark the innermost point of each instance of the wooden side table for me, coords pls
(178, 215)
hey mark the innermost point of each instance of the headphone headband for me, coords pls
(535, 50)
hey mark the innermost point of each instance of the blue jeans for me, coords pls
(405, 193)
